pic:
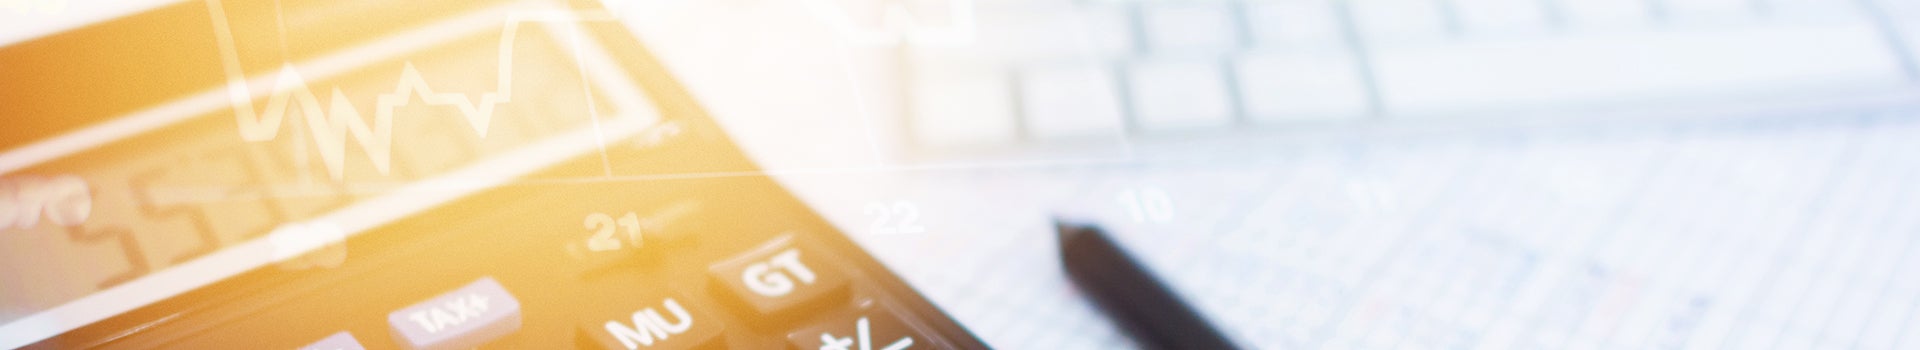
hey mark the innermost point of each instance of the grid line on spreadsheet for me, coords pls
(1701, 260)
(1797, 234)
(1904, 199)
(1398, 244)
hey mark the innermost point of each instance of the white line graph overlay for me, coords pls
(332, 125)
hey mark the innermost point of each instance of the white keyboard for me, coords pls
(1052, 70)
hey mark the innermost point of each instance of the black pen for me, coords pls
(1146, 308)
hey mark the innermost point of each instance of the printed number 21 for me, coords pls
(901, 217)
(603, 227)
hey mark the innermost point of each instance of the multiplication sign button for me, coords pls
(874, 329)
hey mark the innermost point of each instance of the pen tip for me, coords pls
(1065, 229)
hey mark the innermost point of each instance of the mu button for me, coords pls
(780, 275)
(669, 322)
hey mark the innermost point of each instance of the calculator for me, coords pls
(360, 174)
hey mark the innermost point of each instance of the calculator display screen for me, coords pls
(195, 193)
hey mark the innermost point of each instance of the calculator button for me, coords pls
(874, 329)
(464, 318)
(780, 275)
(337, 341)
(670, 322)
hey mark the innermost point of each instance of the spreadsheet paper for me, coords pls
(1772, 231)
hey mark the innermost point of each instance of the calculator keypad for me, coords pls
(772, 280)
(684, 263)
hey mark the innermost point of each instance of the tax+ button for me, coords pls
(462, 319)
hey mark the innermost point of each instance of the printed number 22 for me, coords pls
(901, 217)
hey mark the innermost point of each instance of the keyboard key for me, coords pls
(337, 341)
(1291, 87)
(1814, 9)
(875, 328)
(1101, 29)
(1045, 31)
(1189, 27)
(1390, 20)
(1501, 15)
(1618, 69)
(959, 99)
(888, 22)
(1692, 9)
(778, 277)
(1911, 42)
(464, 318)
(1293, 24)
(1903, 10)
(1587, 13)
(1169, 95)
(1071, 101)
(668, 322)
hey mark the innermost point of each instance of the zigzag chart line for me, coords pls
(333, 124)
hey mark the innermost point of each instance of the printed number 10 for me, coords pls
(1147, 204)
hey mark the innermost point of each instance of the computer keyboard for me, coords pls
(443, 175)
(1059, 71)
